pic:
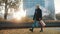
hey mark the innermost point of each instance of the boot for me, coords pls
(41, 30)
(31, 30)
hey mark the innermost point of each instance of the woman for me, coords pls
(37, 18)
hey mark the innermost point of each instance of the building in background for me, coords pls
(47, 4)
(32, 3)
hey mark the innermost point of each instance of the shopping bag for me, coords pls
(42, 23)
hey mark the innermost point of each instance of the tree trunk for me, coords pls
(6, 10)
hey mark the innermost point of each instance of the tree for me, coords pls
(11, 4)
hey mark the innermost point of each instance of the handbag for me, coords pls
(42, 23)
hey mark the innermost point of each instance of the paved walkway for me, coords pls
(53, 30)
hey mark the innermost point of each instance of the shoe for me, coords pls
(41, 31)
(31, 30)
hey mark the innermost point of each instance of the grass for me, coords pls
(26, 31)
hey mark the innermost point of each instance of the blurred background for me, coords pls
(12, 10)
(16, 16)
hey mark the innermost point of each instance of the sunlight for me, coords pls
(57, 6)
(19, 14)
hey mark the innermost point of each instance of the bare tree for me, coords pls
(11, 4)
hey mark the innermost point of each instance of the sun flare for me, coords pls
(19, 14)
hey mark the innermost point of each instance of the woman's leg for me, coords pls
(37, 23)
(33, 25)
(41, 28)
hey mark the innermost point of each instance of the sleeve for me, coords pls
(40, 14)
(34, 15)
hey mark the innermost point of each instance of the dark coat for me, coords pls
(37, 14)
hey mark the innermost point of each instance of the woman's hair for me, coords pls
(37, 6)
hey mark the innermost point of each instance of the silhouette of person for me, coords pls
(37, 17)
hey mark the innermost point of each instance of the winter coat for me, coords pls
(37, 14)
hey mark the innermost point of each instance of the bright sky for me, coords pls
(57, 6)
